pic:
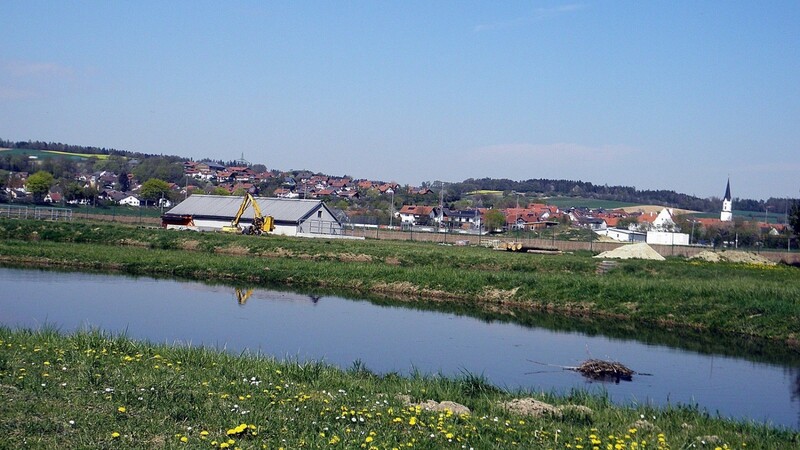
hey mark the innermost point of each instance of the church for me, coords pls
(727, 205)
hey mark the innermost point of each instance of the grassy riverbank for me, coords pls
(747, 300)
(95, 391)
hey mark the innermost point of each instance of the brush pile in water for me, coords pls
(597, 368)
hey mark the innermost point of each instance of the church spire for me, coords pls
(727, 204)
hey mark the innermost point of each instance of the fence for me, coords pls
(328, 227)
(424, 235)
(36, 212)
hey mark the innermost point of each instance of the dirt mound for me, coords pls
(535, 408)
(351, 257)
(734, 257)
(632, 251)
(431, 405)
(531, 407)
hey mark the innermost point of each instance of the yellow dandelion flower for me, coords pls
(114, 435)
(121, 409)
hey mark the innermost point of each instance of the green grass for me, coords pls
(484, 192)
(566, 202)
(91, 390)
(44, 154)
(753, 216)
(115, 210)
(756, 301)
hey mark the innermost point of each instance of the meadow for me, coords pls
(43, 154)
(90, 390)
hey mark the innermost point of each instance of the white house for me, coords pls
(418, 215)
(663, 221)
(130, 200)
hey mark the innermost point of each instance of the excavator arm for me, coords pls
(242, 208)
(260, 225)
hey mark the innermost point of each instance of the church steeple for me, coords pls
(727, 205)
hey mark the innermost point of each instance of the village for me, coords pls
(338, 202)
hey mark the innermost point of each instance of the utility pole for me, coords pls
(441, 207)
(786, 227)
(391, 211)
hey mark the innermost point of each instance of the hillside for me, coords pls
(556, 191)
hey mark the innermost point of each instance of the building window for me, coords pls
(319, 214)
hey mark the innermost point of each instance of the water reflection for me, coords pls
(390, 335)
(242, 295)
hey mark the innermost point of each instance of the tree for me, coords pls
(626, 222)
(123, 182)
(159, 167)
(73, 191)
(794, 218)
(218, 190)
(3, 177)
(494, 219)
(154, 189)
(39, 184)
(114, 163)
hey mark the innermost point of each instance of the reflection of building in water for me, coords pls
(242, 295)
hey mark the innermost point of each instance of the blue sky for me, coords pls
(658, 94)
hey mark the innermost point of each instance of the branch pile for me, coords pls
(597, 368)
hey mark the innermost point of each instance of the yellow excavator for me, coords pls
(261, 224)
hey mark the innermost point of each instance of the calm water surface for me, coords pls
(395, 338)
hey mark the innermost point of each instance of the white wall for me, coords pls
(321, 221)
(667, 238)
(622, 235)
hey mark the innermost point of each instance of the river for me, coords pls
(740, 380)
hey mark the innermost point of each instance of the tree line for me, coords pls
(628, 194)
(145, 166)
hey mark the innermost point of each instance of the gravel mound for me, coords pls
(734, 257)
(632, 251)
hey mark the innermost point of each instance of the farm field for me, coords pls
(43, 154)
(567, 202)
